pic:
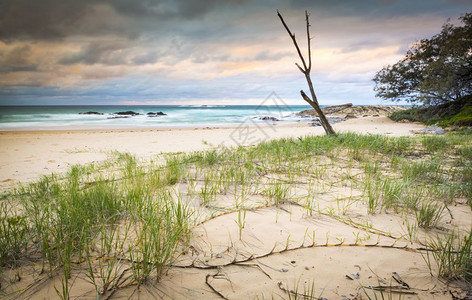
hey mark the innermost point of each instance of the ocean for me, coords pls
(106, 117)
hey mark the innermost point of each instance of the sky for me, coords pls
(163, 52)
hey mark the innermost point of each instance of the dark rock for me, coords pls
(127, 113)
(155, 114)
(118, 117)
(334, 120)
(315, 122)
(90, 113)
(350, 116)
(433, 129)
(336, 108)
(266, 118)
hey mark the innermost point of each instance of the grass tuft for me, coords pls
(452, 255)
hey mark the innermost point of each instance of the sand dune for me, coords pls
(336, 251)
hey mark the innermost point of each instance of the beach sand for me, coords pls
(274, 254)
(26, 155)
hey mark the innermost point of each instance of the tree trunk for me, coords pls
(324, 121)
(305, 69)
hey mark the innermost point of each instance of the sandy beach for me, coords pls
(315, 150)
(336, 252)
(26, 155)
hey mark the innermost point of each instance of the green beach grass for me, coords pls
(124, 222)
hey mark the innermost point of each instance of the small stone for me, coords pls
(307, 268)
(292, 262)
(284, 270)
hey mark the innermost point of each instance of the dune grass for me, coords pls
(86, 216)
(452, 254)
(124, 222)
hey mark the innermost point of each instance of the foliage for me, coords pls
(462, 118)
(434, 71)
(455, 113)
(13, 235)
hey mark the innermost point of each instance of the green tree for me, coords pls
(433, 71)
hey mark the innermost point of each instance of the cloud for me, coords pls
(146, 50)
(57, 19)
(379, 9)
(113, 52)
(45, 19)
(17, 59)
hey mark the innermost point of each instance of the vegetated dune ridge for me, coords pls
(338, 218)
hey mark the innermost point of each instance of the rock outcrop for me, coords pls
(127, 113)
(91, 113)
(156, 114)
(349, 111)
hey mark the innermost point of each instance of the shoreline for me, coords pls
(128, 127)
(27, 155)
(61, 129)
(195, 117)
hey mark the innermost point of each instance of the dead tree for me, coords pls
(305, 69)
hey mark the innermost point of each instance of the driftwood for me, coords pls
(305, 69)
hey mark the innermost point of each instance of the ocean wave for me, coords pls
(183, 115)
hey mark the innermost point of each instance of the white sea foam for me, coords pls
(44, 117)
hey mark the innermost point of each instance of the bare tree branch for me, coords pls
(305, 97)
(292, 36)
(308, 38)
(300, 68)
(306, 71)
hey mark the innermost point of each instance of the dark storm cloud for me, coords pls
(168, 8)
(45, 19)
(55, 19)
(16, 60)
(380, 8)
